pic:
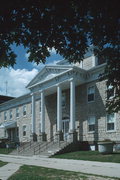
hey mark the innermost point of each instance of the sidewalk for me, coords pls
(89, 167)
(7, 170)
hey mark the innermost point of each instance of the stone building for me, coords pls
(66, 102)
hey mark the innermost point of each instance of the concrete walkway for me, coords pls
(90, 167)
(7, 170)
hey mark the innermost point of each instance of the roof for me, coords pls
(5, 98)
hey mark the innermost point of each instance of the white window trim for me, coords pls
(26, 111)
(109, 131)
(18, 113)
(90, 132)
(6, 115)
(87, 93)
(111, 97)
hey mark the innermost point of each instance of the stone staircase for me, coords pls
(45, 149)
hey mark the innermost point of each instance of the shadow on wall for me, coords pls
(85, 109)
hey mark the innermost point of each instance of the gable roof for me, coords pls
(48, 72)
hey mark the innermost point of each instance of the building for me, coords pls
(5, 98)
(66, 102)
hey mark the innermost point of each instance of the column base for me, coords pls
(73, 136)
(42, 137)
(59, 136)
(33, 137)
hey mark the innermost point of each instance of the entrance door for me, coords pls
(65, 127)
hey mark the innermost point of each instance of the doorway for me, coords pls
(65, 128)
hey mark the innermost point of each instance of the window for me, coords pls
(24, 130)
(91, 123)
(110, 92)
(63, 100)
(24, 110)
(17, 112)
(110, 122)
(91, 93)
(5, 115)
(101, 61)
(10, 114)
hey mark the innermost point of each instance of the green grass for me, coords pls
(90, 156)
(5, 150)
(2, 163)
(40, 173)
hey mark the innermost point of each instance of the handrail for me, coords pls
(40, 148)
(25, 146)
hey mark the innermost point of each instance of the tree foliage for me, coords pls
(69, 26)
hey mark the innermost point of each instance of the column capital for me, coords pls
(32, 94)
(58, 85)
(71, 79)
(41, 91)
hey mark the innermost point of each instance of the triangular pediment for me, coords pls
(47, 73)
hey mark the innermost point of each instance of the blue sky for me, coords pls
(22, 61)
(18, 77)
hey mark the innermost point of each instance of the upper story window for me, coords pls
(110, 92)
(11, 114)
(24, 110)
(5, 115)
(91, 123)
(101, 61)
(17, 112)
(111, 122)
(91, 93)
(63, 100)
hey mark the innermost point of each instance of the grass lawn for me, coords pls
(90, 156)
(5, 150)
(40, 173)
(2, 163)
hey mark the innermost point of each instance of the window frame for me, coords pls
(90, 94)
(17, 113)
(112, 96)
(10, 114)
(88, 123)
(5, 115)
(24, 110)
(111, 130)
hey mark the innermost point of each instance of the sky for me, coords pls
(14, 80)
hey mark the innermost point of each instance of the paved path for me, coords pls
(7, 170)
(90, 167)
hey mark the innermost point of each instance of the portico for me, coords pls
(66, 80)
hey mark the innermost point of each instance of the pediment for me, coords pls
(47, 73)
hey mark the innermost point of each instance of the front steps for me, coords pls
(47, 149)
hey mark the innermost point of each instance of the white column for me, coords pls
(59, 108)
(42, 112)
(72, 105)
(33, 113)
